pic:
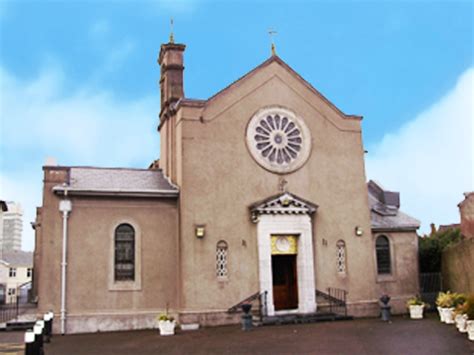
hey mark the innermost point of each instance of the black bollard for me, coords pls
(246, 317)
(51, 314)
(38, 329)
(30, 343)
(47, 327)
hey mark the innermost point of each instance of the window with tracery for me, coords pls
(341, 256)
(124, 260)
(382, 247)
(278, 139)
(221, 259)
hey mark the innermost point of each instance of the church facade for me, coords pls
(259, 189)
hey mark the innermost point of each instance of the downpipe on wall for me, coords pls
(65, 207)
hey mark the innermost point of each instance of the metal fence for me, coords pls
(12, 310)
(431, 284)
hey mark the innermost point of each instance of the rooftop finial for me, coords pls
(171, 32)
(271, 33)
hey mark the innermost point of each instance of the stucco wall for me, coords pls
(220, 180)
(91, 228)
(457, 265)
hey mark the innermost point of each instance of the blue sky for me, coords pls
(79, 80)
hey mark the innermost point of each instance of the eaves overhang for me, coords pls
(62, 191)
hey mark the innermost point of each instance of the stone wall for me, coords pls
(457, 265)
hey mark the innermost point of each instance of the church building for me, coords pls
(259, 190)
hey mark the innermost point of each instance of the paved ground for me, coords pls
(368, 336)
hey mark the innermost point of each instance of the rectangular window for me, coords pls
(12, 272)
(29, 272)
(11, 292)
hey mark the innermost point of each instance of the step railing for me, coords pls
(259, 297)
(337, 299)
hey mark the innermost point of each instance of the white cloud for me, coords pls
(430, 160)
(83, 127)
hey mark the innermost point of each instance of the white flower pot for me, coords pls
(441, 314)
(416, 311)
(461, 322)
(166, 327)
(448, 315)
(470, 329)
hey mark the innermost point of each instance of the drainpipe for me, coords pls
(65, 207)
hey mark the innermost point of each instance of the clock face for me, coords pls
(278, 140)
(282, 244)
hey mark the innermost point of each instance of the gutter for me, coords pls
(60, 190)
(65, 207)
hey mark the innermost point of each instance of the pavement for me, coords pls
(361, 336)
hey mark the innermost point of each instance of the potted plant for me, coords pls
(445, 302)
(415, 306)
(166, 324)
(460, 316)
(441, 300)
(470, 316)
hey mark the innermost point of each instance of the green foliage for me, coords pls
(165, 317)
(444, 299)
(415, 301)
(431, 246)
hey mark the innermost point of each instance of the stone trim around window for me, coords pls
(136, 284)
(392, 276)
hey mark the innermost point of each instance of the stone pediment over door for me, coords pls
(283, 203)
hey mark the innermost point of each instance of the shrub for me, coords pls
(415, 301)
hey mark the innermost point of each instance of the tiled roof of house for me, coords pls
(18, 258)
(118, 181)
(384, 210)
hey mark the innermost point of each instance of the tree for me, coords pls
(431, 247)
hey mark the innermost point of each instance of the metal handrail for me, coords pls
(337, 298)
(262, 303)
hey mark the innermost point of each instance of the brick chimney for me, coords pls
(171, 79)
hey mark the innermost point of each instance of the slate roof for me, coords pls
(118, 182)
(18, 258)
(385, 214)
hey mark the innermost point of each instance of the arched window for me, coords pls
(124, 260)
(382, 247)
(221, 259)
(341, 256)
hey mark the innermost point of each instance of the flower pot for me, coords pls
(416, 311)
(448, 315)
(461, 322)
(166, 327)
(441, 314)
(470, 329)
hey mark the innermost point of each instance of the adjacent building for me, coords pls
(11, 227)
(16, 271)
(259, 189)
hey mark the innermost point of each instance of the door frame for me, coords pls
(298, 225)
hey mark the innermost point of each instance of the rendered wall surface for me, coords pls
(220, 180)
(457, 264)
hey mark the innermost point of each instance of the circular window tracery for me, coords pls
(278, 140)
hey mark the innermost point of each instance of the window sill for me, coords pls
(125, 286)
(386, 278)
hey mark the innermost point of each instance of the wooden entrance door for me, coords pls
(285, 290)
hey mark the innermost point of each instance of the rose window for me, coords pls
(278, 140)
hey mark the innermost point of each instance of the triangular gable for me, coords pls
(283, 203)
(278, 60)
